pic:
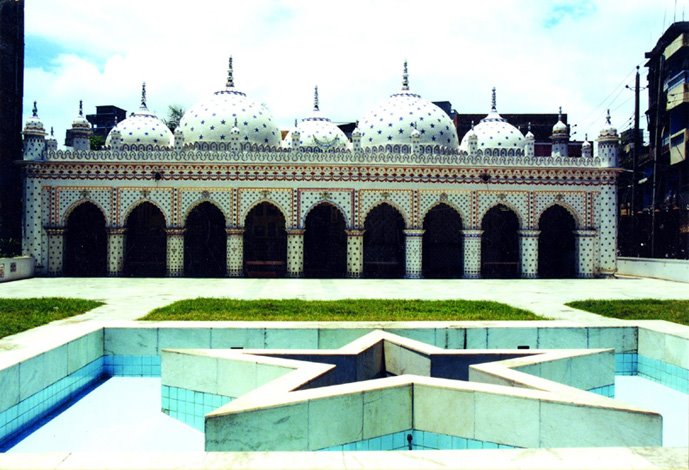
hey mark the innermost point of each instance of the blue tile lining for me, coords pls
(605, 390)
(421, 440)
(190, 406)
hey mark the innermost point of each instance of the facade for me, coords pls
(11, 95)
(663, 195)
(225, 195)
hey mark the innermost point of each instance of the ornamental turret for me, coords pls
(34, 136)
(356, 140)
(472, 140)
(51, 142)
(586, 148)
(608, 144)
(179, 139)
(529, 143)
(81, 131)
(560, 138)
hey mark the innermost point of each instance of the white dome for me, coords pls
(317, 131)
(608, 130)
(392, 122)
(560, 128)
(494, 132)
(80, 122)
(143, 128)
(34, 125)
(211, 120)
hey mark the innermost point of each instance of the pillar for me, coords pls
(115, 250)
(295, 253)
(56, 243)
(528, 252)
(472, 253)
(413, 247)
(175, 251)
(355, 253)
(235, 252)
(585, 241)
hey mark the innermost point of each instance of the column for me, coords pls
(115, 250)
(175, 251)
(235, 252)
(295, 253)
(585, 241)
(472, 253)
(355, 253)
(56, 242)
(528, 251)
(413, 246)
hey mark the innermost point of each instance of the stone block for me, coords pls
(131, 341)
(335, 420)
(651, 344)
(562, 338)
(477, 338)
(329, 338)
(84, 350)
(511, 337)
(623, 339)
(676, 351)
(444, 411)
(288, 338)
(400, 360)
(9, 387)
(40, 371)
(425, 335)
(456, 338)
(387, 411)
(184, 338)
(193, 372)
(235, 378)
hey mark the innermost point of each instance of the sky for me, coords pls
(539, 54)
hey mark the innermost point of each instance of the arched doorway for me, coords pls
(265, 242)
(384, 248)
(556, 245)
(500, 243)
(145, 253)
(205, 242)
(86, 242)
(442, 253)
(325, 243)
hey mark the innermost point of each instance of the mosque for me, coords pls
(225, 195)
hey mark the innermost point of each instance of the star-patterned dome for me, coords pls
(317, 132)
(143, 128)
(211, 120)
(494, 132)
(393, 121)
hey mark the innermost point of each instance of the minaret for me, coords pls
(608, 144)
(530, 146)
(34, 136)
(230, 75)
(81, 131)
(51, 142)
(405, 78)
(295, 134)
(586, 148)
(560, 137)
(472, 140)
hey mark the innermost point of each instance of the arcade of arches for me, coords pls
(325, 247)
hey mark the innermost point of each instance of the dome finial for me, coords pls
(315, 99)
(472, 125)
(143, 95)
(559, 114)
(230, 74)
(586, 137)
(493, 103)
(405, 78)
(607, 119)
(52, 133)
(529, 127)
(81, 108)
(35, 110)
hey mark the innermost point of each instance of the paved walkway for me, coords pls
(129, 299)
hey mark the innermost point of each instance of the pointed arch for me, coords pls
(205, 241)
(500, 254)
(394, 205)
(556, 243)
(505, 204)
(442, 251)
(325, 242)
(134, 205)
(79, 202)
(145, 253)
(86, 240)
(384, 242)
(571, 210)
(265, 241)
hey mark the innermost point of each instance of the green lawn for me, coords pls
(337, 310)
(676, 311)
(18, 315)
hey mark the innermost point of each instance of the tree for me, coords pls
(174, 115)
(97, 142)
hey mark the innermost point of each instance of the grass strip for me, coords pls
(17, 315)
(213, 309)
(676, 311)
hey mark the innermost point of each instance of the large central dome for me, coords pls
(393, 121)
(211, 120)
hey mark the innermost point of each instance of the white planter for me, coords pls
(20, 267)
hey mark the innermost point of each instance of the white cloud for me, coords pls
(353, 50)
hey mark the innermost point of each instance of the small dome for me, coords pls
(33, 125)
(393, 121)
(143, 128)
(560, 129)
(586, 143)
(608, 130)
(494, 132)
(211, 120)
(317, 131)
(80, 122)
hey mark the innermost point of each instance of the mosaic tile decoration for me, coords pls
(190, 406)
(420, 440)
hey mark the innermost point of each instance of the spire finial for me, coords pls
(405, 77)
(235, 121)
(230, 74)
(472, 124)
(143, 95)
(35, 110)
(295, 122)
(607, 119)
(586, 137)
(81, 108)
(315, 99)
(52, 133)
(494, 102)
(529, 126)
(559, 114)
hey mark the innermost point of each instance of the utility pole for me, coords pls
(635, 162)
(656, 150)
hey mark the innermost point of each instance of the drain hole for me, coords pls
(524, 346)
